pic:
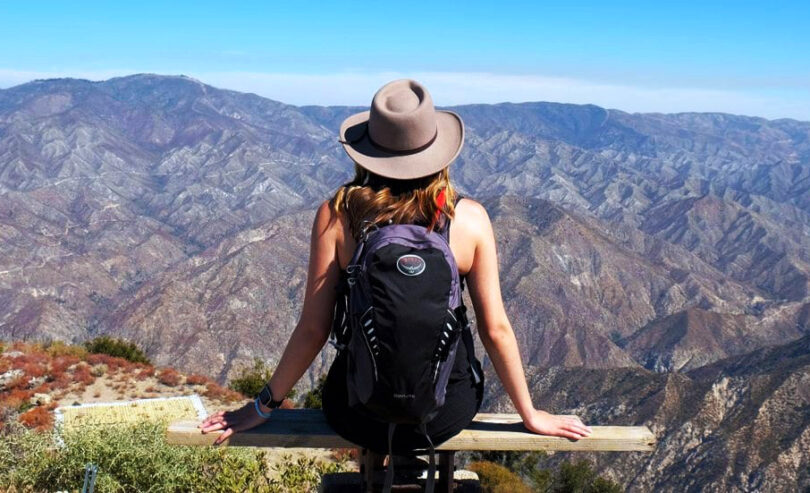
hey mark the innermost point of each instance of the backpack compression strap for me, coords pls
(339, 335)
(467, 339)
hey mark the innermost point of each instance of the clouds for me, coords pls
(452, 88)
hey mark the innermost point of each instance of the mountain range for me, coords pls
(658, 262)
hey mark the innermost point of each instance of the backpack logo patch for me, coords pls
(411, 265)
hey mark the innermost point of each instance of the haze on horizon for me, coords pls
(744, 58)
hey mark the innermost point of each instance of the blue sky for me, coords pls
(738, 57)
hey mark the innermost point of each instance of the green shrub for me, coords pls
(117, 347)
(314, 398)
(250, 380)
(580, 478)
(137, 458)
(524, 464)
(129, 458)
(495, 478)
(568, 478)
(519, 462)
(304, 473)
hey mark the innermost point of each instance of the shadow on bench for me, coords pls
(307, 428)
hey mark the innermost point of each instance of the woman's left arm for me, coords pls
(310, 333)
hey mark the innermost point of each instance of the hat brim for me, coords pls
(435, 157)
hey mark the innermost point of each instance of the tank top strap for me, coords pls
(444, 228)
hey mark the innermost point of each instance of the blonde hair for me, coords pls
(380, 200)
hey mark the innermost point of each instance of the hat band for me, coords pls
(388, 149)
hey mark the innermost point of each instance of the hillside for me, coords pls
(637, 251)
(704, 419)
(114, 412)
(35, 379)
(739, 424)
(183, 208)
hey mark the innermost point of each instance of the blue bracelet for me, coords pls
(259, 411)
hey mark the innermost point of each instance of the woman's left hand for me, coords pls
(234, 421)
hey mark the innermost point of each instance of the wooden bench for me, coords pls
(307, 428)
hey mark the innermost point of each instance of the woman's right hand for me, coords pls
(561, 425)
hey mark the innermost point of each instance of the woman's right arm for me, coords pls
(498, 337)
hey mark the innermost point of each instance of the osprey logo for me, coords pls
(411, 265)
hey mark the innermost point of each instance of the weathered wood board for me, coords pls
(307, 428)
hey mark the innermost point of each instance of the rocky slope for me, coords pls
(617, 232)
(37, 378)
(739, 424)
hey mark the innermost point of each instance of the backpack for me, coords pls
(400, 320)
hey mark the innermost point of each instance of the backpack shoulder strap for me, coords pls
(444, 229)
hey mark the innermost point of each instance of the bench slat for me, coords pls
(307, 428)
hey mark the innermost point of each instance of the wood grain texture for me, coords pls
(307, 428)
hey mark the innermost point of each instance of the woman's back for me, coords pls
(463, 394)
(463, 239)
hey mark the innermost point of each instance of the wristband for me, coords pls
(259, 411)
(266, 398)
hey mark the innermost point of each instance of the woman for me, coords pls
(402, 149)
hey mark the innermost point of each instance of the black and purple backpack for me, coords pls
(400, 321)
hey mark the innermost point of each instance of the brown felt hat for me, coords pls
(402, 136)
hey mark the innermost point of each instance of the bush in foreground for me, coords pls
(137, 458)
(580, 477)
(117, 347)
(512, 471)
(250, 379)
(495, 478)
(314, 398)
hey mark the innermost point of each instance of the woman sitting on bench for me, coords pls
(402, 149)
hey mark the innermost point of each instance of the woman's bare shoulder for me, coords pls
(471, 215)
(471, 206)
(334, 228)
(469, 231)
(327, 222)
(325, 214)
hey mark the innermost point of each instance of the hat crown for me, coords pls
(402, 116)
(402, 136)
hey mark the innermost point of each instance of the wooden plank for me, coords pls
(307, 428)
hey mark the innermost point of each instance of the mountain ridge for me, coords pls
(189, 78)
(638, 253)
(187, 166)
